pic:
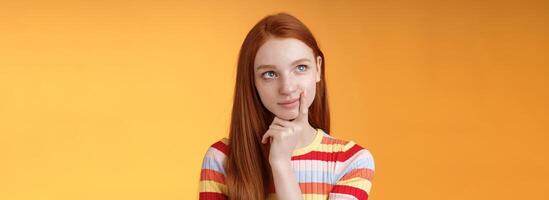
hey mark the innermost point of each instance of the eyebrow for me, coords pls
(272, 66)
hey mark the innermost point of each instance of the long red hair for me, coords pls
(248, 173)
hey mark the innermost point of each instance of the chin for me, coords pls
(286, 115)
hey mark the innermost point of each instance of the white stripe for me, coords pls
(339, 196)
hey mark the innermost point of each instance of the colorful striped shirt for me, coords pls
(327, 168)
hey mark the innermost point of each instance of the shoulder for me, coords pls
(215, 156)
(212, 175)
(357, 156)
(349, 152)
(354, 171)
(219, 146)
(353, 161)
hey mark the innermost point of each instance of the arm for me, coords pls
(212, 175)
(286, 185)
(355, 178)
(284, 135)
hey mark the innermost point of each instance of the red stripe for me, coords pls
(327, 140)
(364, 173)
(212, 175)
(315, 188)
(343, 189)
(211, 196)
(221, 147)
(329, 156)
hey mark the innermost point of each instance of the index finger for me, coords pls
(303, 109)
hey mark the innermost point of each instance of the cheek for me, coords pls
(265, 93)
(311, 91)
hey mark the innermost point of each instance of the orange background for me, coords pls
(120, 100)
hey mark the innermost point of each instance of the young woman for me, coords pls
(279, 145)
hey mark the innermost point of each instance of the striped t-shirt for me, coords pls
(327, 168)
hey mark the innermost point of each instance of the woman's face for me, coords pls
(283, 67)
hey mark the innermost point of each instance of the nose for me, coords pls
(288, 85)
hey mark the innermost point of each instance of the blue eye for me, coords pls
(304, 67)
(263, 74)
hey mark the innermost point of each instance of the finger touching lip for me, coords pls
(290, 104)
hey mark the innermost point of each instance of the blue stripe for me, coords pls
(315, 177)
(363, 162)
(211, 163)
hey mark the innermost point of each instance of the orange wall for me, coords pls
(121, 100)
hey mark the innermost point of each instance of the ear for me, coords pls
(318, 67)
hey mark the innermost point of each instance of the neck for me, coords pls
(306, 136)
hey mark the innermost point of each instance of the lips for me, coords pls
(288, 102)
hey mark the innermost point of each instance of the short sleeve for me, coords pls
(356, 170)
(212, 176)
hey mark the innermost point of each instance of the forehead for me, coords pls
(282, 51)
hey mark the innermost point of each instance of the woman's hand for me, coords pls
(284, 134)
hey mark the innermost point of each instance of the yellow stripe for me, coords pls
(315, 196)
(330, 148)
(212, 186)
(272, 196)
(348, 145)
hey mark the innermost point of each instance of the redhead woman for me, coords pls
(279, 144)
